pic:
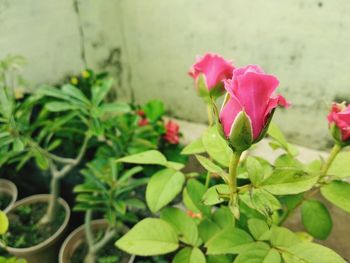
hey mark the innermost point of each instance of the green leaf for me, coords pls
(207, 229)
(100, 91)
(257, 228)
(76, 93)
(194, 147)
(261, 200)
(192, 197)
(258, 253)
(289, 181)
(4, 223)
(287, 161)
(212, 195)
(147, 157)
(216, 146)
(189, 255)
(241, 136)
(115, 107)
(272, 257)
(5, 103)
(149, 237)
(219, 259)
(174, 165)
(57, 106)
(154, 110)
(283, 237)
(184, 225)
(230, 240)
(223, 217)
(212, 167)
(313, 253)
(338, 193)
(275, 132)
(255, 170)
(18, 145)
(40, 160)
(163, 187)
(340, 167)
(316, 219)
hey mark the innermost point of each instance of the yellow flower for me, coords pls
(18, 93)
(74, 81)
(85, 74)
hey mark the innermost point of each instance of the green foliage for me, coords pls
(229, 240)
(216, 146)
(316, 219)
(340, 167)
(163, 187)
(188, 255)
(184, 225)
(108, 189)
(149, 237)
(338, 192)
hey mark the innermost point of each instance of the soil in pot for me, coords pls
(25, 230)
(108, 254)
(5, 200)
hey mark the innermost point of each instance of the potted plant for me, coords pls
(8, 194)
(240, 218)
(48, 215)
(108, 193)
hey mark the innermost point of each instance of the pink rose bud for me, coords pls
(248, 106)
(339, 123)
(209, 73)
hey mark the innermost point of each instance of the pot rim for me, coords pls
(10, 188)
(47, 242)
(80, 228)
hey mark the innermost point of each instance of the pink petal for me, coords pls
(253, 91)
(228, 114)
(214, 67)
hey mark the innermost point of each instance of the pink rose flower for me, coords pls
(214, 69)
(172, 132)
(339, 118)
(250, 91)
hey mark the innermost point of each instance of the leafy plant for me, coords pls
(107, 191)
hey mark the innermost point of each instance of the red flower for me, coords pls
(172, 132)
(143, 122)
(141, 113)
(339, 122)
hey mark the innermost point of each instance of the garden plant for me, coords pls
(240, 219)
(140, 200)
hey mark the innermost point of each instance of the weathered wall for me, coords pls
(149, 46)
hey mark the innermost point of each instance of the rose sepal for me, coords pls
(337, 135)
(241, 134)
(207, 94)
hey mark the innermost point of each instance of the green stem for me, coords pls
(56, 175)
(233, 171)
(335, 150)
(207, 180)
(210, 115)
(52, 207)
(210, 121)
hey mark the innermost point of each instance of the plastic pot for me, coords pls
(8, 188)
(77, 237)
(46, 251)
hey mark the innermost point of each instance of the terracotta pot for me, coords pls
(76, 238)
(46, 251)
(10, 189)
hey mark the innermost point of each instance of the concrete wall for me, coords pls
(149, 45)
